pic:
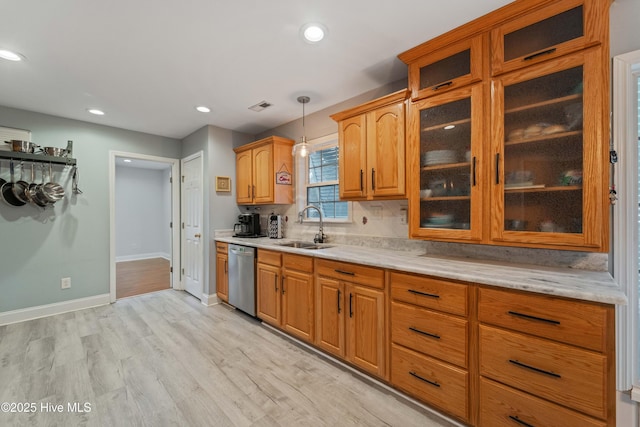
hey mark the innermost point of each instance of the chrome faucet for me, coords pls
(320, 237)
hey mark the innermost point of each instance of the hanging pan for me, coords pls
(20, 187)
(34, 190)
(7, 191)
(31, 191)
(51, 191)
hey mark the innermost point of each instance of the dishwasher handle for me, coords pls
(240, 252)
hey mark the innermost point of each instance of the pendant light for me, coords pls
(302, 148)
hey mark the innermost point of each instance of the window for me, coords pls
(321, 181)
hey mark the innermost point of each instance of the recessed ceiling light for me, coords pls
(96, 111)
(10, 56)
(203, 109)
(127, 160)
(449, 127)
(313, 32)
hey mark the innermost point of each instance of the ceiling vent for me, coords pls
(260, 106)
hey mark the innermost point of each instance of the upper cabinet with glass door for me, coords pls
(560, 28)
(454, 66)
(550, 154)
(446, 147)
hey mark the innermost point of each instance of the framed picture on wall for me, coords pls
(223, 183)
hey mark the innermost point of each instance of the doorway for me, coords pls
(144, 206)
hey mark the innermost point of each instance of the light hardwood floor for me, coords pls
(165, 359)
(142, 276)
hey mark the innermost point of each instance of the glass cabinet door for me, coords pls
(550, 151)
(446, 199)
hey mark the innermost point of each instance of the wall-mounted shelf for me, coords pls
(31, 157)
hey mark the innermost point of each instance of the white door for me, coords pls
(192, 214)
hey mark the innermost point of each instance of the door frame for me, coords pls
(175, 215)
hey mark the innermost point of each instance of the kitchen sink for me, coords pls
(303, 245)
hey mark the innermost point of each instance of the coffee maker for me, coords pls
(248, 225)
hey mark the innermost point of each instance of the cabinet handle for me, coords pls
(535, 55)
(361, 180)
(282, 285)
(533, 368)
(338, 301)
(350, 304)
(253, 191)
(226, 266)
(349, 273)
(411, 328)
(373, 179)
(441, 85)
(433, 383)
(275, 283)
(497, 168)
(248, 190)
(529, 317)
(423, 294)
(473, 171)
(519, 421)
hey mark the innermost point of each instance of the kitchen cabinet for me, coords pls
(430, 335)
(533, 130)
(557, 354)
(371, 143)
(550, 157)
(446, 153)
(351, 314)
(555, 30)
(264, 172)
(286, 292)
(222, 271)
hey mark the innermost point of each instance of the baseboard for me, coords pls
(138, 257)
(209, 300)
(371, 380)
(37, 312)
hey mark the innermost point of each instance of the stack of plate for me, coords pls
(438, 221)
(438, 157)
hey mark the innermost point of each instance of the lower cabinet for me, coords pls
(350, 319)
(222, 271)
(285, 292)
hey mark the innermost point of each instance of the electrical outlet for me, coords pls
(65, 283)
(403, 215)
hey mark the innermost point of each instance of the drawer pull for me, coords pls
(349, 273)
(519, 421)
(533, 368)
(423, 294)
(433, 383)
(339, 301)
(424, 333)
(442, 85)
(529, 317)
(535, 55)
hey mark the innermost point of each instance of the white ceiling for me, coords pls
(148, 63)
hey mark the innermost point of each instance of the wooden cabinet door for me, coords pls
(263, 176)
(222, 277)
(244, 176)
(352, 163)
(268, 294)
(330, 327)
(365, 328)
(297, 304)
(385, 151)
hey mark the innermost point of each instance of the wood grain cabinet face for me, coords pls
(256, 167)
(549, 163)
(560, 28)
(351, 314)
(371, 143)
(222, 276)
(268, 282)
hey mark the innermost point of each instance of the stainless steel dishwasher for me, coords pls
(242, 278)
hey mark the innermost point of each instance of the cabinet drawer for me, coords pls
(298, 262)
(503, 406)
(221, 247)
(573, 322)
(360, 274)
(270, 257)
(429, 332)
(430, 293)
(567, 375)
(436, 383)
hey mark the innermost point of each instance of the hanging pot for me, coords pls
(22, 146)
(7, 191)
(34, 190)
(51, 191)
(20, 187)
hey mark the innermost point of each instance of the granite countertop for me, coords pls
(597, 286)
